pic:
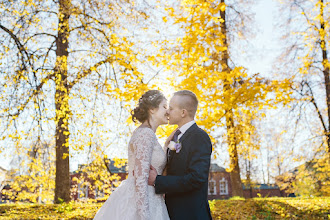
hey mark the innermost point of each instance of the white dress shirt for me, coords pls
(185, 127)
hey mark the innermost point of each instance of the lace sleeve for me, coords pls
(143, 151)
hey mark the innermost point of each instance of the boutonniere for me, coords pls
(175, 146)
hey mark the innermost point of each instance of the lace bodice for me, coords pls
(144, 150)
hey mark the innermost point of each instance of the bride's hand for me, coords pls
(170, 137)
(165, 171)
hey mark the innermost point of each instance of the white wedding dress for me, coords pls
(134, 199)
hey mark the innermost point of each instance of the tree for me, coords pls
(306, 35)
(247, 163)
(33, 180)
(50, 50)
(204, 63)
(309, 179)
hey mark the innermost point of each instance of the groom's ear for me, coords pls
(184, 113)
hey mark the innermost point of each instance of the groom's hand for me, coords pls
(152, 176)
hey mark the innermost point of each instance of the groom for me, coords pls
(186, 184)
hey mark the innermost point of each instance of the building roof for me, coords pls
(215, 168)
(262, 186)
(111, 167)
(114, 169)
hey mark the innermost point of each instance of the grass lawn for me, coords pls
(258, 208)
(272, 208)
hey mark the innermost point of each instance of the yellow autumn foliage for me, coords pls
(259, 208)
(197, 62)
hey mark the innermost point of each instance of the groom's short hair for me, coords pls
(190, 102)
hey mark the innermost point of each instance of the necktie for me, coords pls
(175, 139)
(176, 135)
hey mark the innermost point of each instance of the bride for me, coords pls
(134, 199)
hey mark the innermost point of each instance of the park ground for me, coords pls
(257, 208)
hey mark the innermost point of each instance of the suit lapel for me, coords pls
(184, 136)
(170, 156)
(181, 140)
(188, 132)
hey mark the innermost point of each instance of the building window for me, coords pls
(86, 191)
(82, 191)
(79, 191)
(99, 193)
(223, 186)
(212, 187)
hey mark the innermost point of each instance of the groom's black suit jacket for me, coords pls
(186, 183)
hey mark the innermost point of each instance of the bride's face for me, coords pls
(160, 114)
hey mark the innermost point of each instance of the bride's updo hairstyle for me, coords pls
(149, 100)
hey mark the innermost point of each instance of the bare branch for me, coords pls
(88, 71)
(18, 44)
(35, 92)
(38, 34)
(316, 107)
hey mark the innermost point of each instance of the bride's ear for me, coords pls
(152, 111)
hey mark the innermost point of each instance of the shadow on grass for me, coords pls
(272, 209)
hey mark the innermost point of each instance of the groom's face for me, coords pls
(174, 111)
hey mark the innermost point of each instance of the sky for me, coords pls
(265, 42)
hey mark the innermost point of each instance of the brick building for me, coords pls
(219, 183)
(263, 190)
(220, 186)
(81, 191)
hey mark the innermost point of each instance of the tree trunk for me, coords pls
(62, 180)
(249, 178)
(236, 182)
(237, 189)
